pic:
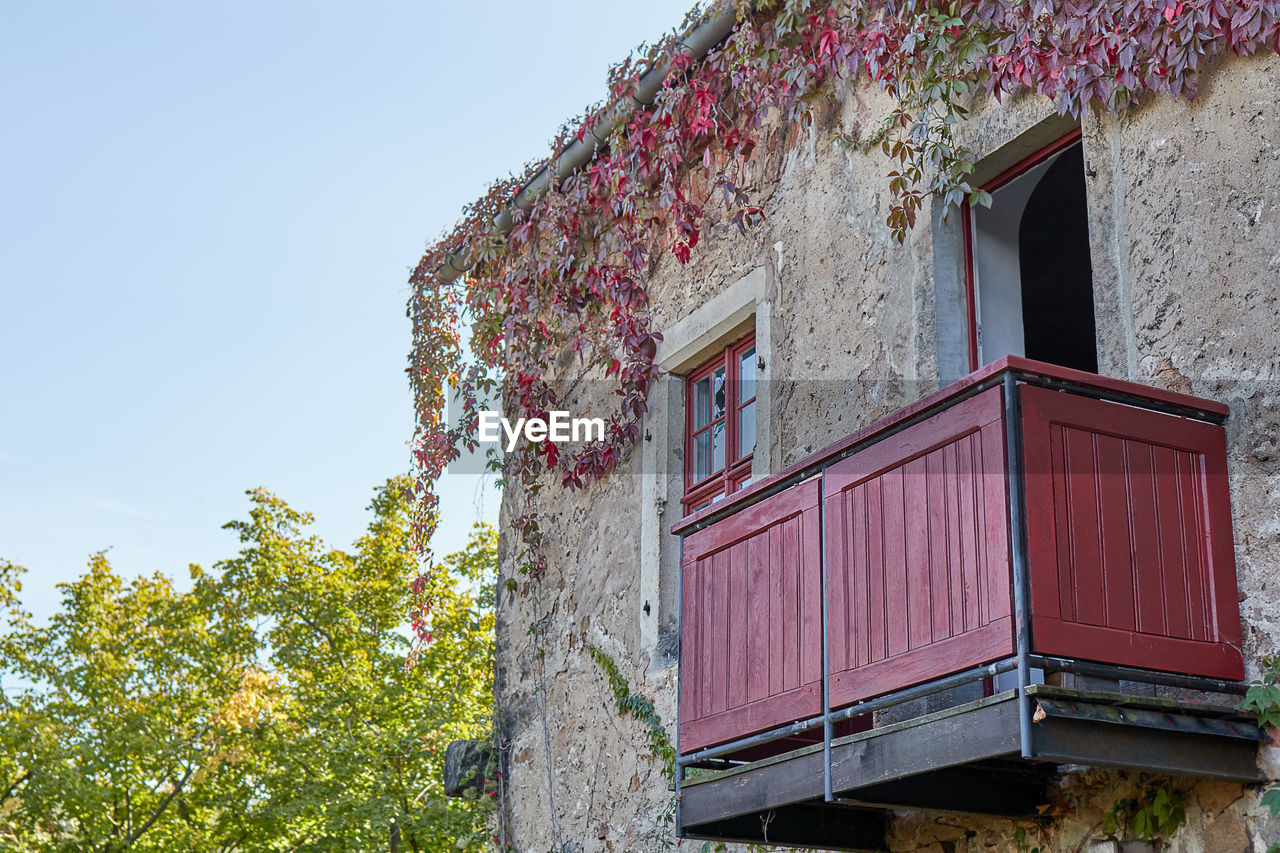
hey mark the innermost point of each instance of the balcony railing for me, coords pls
(1026, 516)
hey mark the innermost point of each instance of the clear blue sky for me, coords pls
(207, 217)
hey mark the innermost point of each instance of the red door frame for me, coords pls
(970, 285)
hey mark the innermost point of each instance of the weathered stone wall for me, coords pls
(1184, 202)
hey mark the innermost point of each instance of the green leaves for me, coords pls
(1024, 846)
(267, 707)
(639, 707)
(1271, 799)
(1263, 699)
(1263, 695)
(1163, 817)
(1154, 813)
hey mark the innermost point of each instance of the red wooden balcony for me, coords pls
(1026, 518)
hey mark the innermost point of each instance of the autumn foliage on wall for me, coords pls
(570, 274)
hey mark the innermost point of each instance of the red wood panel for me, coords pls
(691, 621)
(1118, 588)
(958, 653)
(1193, 534)
(789, 534)
(877, 632)
(921, 571)
(810, 572)
(717, 630)
(757, 677)
(778, 623)
(751, 626)
(1141, 496)
(968, 526)
(858, 608)
(841, 649)
(894, 568)
(939, 551)
(738, 621)
(917, 544)
(1129, 536)
(951, 539)
(1169, 543)
(993, 511)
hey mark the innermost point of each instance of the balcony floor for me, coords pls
(964, 759)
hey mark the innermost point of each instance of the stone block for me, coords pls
(464, 766)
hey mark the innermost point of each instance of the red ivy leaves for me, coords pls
(570, 275)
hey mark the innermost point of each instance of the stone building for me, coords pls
(1039, 562)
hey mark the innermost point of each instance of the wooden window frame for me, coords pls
(736, 471)
(1016, 170)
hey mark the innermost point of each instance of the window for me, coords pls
(1028, 273)
(720, 425)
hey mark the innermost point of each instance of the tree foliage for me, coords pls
(267, 708)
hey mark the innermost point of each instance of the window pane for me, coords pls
(717, 446)
(701, 401)
(718, 393)
(701, 456)
(717, 496)
(747, 375)
(747, 429)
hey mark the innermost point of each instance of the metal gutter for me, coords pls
(695, 45)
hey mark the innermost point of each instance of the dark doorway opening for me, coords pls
(1057, 275)
(1029, 264)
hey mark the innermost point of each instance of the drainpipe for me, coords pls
(695, 45)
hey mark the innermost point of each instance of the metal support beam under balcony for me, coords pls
(967, 759)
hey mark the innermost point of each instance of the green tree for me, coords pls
(268, 708)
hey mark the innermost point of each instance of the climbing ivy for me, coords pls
(1263, 699)
(640, 707)
(1154, 813)
(1263, 696)
(1025, 846)
(570, 275)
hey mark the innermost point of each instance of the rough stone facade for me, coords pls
(1184, 225)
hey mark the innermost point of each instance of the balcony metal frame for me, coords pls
(1008, 372)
